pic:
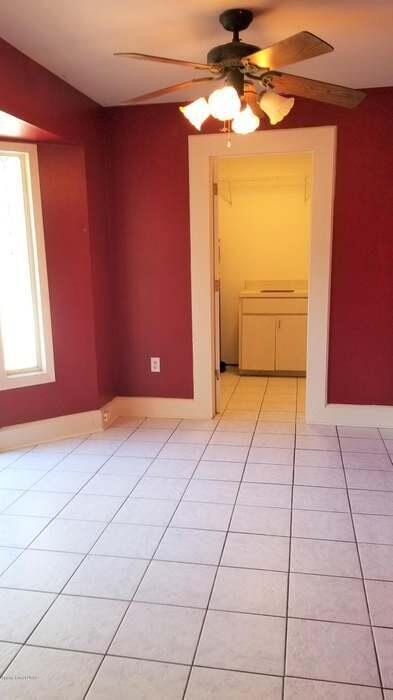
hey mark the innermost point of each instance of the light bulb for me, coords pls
(224, 103)
(196, 112)
(276, 106)
(245, 122)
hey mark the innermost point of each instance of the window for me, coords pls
(26, 353)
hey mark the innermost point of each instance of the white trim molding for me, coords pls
(358, 415)
(79, 424)
(320, 142)
(50, 429)
(147, 407)
(151, 407)
(45, 371)
(73, 425)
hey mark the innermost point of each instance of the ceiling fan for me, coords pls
(241, 65)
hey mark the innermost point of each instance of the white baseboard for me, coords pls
(351, 414)
(109, 413)
(51, 429)
(26, 434)
(151, 407)
(331, 414)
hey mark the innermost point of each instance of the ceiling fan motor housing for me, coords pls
(230, 55)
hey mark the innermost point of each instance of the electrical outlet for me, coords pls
(155, 364)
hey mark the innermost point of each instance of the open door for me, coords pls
(216, 253)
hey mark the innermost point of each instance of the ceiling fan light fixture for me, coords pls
(276, 106)
(245, 122)
(224, 103)
(196, 112)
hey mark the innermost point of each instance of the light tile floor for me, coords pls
(250, 556)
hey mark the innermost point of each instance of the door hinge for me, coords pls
(215, 188)
(217, 374)
(216, 285)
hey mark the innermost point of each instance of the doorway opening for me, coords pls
(320, 142)
(262, 218)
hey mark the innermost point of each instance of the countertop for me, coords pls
(257, 294)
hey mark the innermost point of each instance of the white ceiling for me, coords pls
(76, 39)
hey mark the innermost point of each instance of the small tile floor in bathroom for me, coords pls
(151, 561)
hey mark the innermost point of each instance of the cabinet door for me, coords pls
(258, 342)
(291, 353)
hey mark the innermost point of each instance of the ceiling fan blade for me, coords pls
(314, 89)
(173, 61)
(167, 90)
(291, 50)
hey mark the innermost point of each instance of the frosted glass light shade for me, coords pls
(224, 103)
(245, 122)
(276, 106)
(196, 112)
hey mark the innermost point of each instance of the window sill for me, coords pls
(20, 381)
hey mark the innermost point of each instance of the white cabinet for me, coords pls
(291, 343)
(259, 347)
(273, 335)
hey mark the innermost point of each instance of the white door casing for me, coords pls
(320, 142)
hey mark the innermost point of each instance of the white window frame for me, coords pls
(45, 372)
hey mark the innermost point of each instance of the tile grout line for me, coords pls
(290, 551)
(177, 561)
(363, 581)
(192, 607)
(194, 500)
(198, 479)
(218, 562)
(216, 668)
(192, 664)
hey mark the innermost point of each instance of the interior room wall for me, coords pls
(65, 217)
(151, 252)
(150, 182)
(75, 213)
(135, 261)
(263, 227)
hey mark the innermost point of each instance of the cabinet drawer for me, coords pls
(274, 306)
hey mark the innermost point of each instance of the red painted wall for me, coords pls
(151, 246)
(152, 258)
(75, 212)
(15, 129)
(34, 94)
(119, 268)
(65, 215)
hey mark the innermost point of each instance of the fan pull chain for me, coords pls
(226, 129)
(229, 141)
